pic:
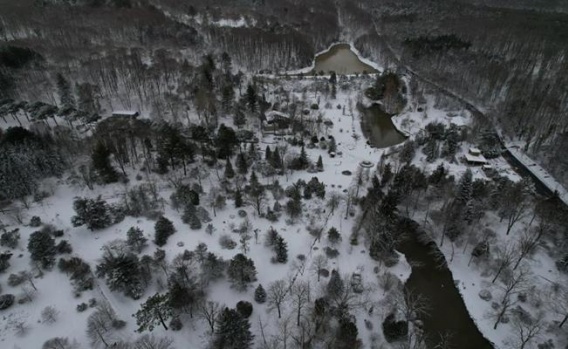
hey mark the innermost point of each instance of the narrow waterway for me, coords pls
(433, 281)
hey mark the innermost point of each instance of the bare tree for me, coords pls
(209, 311)
(514, 204)
(513, 284)
(557, 297)
(100, 330)
(49, 315)
(528, 241)
(333, 202)
(277, 295)
(412, 304)
(526, 330)
(151, 342)
(300, 298)
(318, 264)
(504, 259)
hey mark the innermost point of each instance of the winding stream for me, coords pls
(448, 313)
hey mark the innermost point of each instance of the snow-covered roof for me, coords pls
(473, 150)
(478, 159)
(126, 112)
(271, 115)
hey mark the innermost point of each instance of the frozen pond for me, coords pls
(341, 60)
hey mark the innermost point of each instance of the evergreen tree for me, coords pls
(227, 96)
(190, 217)
(294, 205)
(303, 161)
(101, 163)
(256, 193)
(242, 165)
(241, 272)
(333, 236)
(122, 273)
(465, 187)
(335, 286)
(268, 154)
(332, 147)
(386, 175)
(5, 261)
(252, 154)
(95, 213)
(281, 250)
(347, 335)
(135, 239)
(233, 331)
(229, 172)
(163, 229)
(260, 294)
(239, 119)
(408, 151)
(64, 91)
(251, 98)
(431, 150)
(10, 238)
(42, 249)
(212, 268)
(238, 199)
(226, 141)
(155, 311)
(276, 159)
(319, 164)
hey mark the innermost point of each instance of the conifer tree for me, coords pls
(155, 311)
(260, 294)
(252, 154)
(242, 166)
(229, 172)
(276, 159)
(333, 236)
(268, 154)
(241, 272)
(238, 199)
(101, 163)
(95, 213)
(135, 239)
(251, 98)
(42, 249)
(465, 187)
(319, 164)
(239, 118)
(122, 273)
(335, 286)
(256, 193)
(281, 250)
(163, 229)
(233, 331)
(64, 90)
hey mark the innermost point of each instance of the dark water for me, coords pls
(378, 128)
(340, 59)
(448, 313)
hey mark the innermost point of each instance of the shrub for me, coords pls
(10, 238)
(331, 252)
(244, 308)
(35, 222)
(16, 280)
(64, 247)
(82, 307)
(227, 243)
(176, 324)
(394, 330)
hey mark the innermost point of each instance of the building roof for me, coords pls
(125, 112)
(478, 159)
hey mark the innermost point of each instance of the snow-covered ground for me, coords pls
(55, 289)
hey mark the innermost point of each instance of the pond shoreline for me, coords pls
(312, 66)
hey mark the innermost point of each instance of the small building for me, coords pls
(474, 151)
(125, 113)
(474, 157)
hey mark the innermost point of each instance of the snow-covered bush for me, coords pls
(226, 242)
